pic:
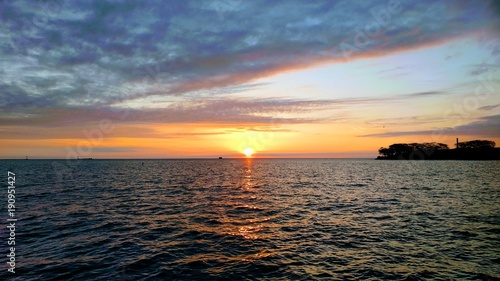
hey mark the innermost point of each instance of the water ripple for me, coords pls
(258, 219)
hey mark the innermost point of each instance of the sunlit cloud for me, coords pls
(84, 53)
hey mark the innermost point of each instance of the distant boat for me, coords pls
(26, 158)
(220, 157)
(78, 158)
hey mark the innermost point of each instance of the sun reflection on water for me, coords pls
(244, 213)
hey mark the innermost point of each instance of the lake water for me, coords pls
(254, 219)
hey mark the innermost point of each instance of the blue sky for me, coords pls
(199, 72)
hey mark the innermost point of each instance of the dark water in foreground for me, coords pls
(254, 219)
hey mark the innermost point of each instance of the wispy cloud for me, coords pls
(203, 110)
(426, 94)
(206, 109)
(404, 121)
(479, 69)
(489, 107)
(485, 127)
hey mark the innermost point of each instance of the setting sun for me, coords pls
(248, 152)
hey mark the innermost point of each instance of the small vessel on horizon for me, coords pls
(78, 158)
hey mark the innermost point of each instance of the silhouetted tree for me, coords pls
(477, 144)
(470, 150)
(384, 151)
(410, 150)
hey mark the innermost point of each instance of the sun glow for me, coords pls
(248, 152)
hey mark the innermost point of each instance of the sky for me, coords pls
(175, 79)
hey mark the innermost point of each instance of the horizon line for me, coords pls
(185, 158)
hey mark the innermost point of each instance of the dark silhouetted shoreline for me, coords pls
(450, 154)
(469, 150)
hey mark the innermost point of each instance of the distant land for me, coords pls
(470, 150)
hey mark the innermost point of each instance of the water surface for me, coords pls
(249, 219)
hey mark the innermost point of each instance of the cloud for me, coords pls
(404, 121)
(489, 107)
(485, 127)
(202, 110)
(479, 69)
(93, 130)
(99, 53)
(426, 94)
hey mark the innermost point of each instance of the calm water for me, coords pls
(254, 219)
